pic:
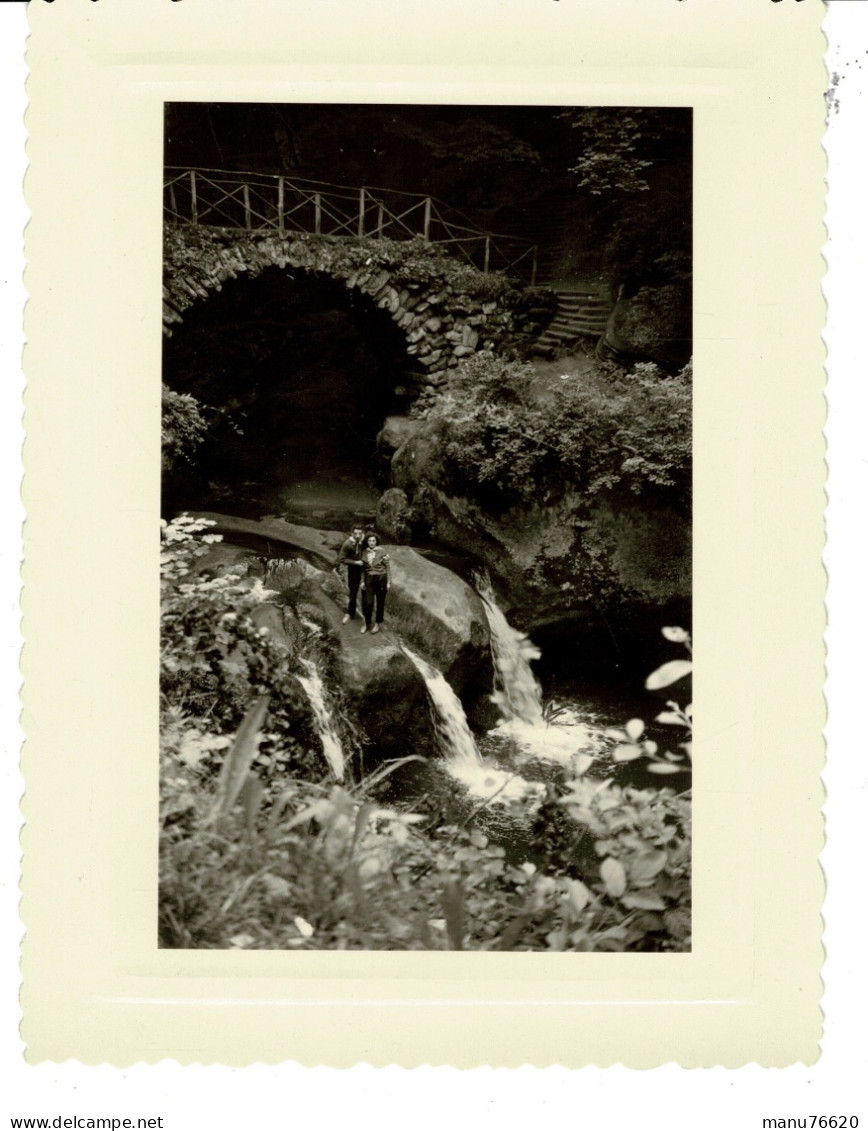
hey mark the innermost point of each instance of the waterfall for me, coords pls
(450, 723)
(331, 746)
(516, 692)
(460, 755)
(567, 740)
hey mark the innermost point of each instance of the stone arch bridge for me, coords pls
(444, 309)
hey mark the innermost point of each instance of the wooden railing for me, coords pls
(257, 202)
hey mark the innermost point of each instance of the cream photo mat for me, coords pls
(96, 988)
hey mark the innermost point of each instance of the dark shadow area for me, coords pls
(601, 648)
(296, 374)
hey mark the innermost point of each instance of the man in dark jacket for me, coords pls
(375, 582)
(349, 556)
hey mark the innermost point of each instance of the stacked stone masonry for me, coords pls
(440, 326)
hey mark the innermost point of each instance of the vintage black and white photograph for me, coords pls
(425, 621)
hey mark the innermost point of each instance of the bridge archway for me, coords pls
(298, 374)
(444, 309)
(308, 344)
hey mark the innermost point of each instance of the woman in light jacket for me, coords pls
(375, 581)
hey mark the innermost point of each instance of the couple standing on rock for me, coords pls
(367, 569)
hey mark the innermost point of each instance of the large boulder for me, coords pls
(439, 617)
(436, 613)
(381, 689)
(386, 694)
(396, 431)
(428, 608)
(653, 325)
(394, 516)
(565, 558)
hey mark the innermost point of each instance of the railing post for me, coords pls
(380, 222)
(487, 254)
(427, 221)
(173, 203)
(194, 204)
(317, 213)
(533, 268)
(361, 212)
(246, 195)
(280, 227)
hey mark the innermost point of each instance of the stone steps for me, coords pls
(583, 310)
(567, 331)
(573, 303)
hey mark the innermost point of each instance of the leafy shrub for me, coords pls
(334, 870)
(620, 432)
(215, 660)
(183, 428)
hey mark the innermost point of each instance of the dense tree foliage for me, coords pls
(617, 146)
(475, 157)
(478, 157)
(619, 431)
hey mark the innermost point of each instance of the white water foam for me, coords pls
(568, 744)
(460, 754)
(516, 691)
(331, 745)
(494, 784)
(450, 722)
(566, 739)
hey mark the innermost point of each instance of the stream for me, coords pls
(299, 379)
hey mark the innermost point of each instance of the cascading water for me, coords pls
(566, 739)
(460, 754)
(331, 745)
(450, 722)
(516, 691)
